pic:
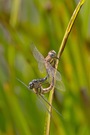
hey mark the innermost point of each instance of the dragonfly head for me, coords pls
(31, 85)
(53, 54)
(34, 84)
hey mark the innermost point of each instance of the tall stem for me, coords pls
(61, 49)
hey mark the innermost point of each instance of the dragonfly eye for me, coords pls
(34, 81)
(31, 85)
(52, 54)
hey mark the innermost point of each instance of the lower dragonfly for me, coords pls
(36, 87)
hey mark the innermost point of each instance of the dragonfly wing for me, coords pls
(38, 56)
(41, 67)
(53, 72)
(59, 85)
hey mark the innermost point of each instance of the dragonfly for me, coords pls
(47, 63)
(36, 87)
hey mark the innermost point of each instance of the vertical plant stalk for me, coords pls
(61, 49)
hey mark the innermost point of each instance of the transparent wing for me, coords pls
(38, 56)
(41, 67)
(59, 85)
(53, 72)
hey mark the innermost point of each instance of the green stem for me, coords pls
(61, 49)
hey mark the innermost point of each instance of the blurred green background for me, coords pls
(43, 22)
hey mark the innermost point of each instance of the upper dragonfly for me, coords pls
(46, 63)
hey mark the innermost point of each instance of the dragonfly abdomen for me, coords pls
(46, 90)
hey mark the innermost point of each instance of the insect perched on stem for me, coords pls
(36, 87)
(47, 63)
(52, 75)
